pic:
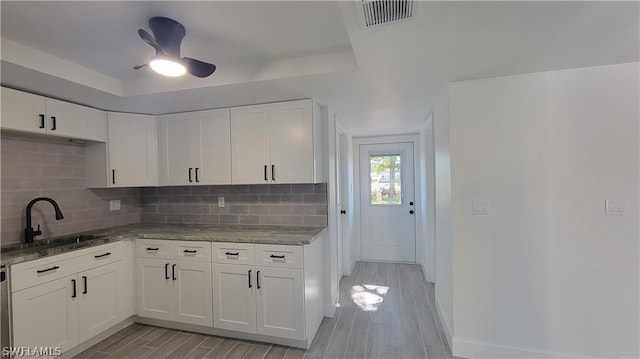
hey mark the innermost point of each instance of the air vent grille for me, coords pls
(376, 12)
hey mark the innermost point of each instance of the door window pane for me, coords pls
(386, 183)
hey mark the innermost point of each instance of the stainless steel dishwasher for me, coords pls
(4, 307)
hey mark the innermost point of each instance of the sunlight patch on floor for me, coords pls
(368, 297)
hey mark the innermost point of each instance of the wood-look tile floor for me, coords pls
(387, 310)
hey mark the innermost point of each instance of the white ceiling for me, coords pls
(382, 80)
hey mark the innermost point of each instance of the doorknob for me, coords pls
(411, 203)
(342, 211)
(411, 212)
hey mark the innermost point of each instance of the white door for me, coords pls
(291, 142)
(339, 204)
(98, 305)
(280, 301)
(47, 315)
(67, 119)
(129, 149)
(214, 152)
(23, 111)
(155, 289)
(234, 299)
(387, 205)
(193, 285)
(250, 145)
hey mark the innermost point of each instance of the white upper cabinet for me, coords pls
(130, 158)
(276, 143)
(26, 112)
(195, 148)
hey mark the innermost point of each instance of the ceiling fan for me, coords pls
(166, 40)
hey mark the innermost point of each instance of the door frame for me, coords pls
(374, 140)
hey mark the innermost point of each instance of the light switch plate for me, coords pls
(114, 205)
(220, 202)
(481, 206)
(615, 208)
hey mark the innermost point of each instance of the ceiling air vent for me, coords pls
(377, 12)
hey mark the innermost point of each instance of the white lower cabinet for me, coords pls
(69, 309)
(177, 287)
(46, 315)
(263, 299)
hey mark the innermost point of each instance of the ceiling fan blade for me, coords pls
(198, 68)
(151, 41)
(140, 66)
(168, 34)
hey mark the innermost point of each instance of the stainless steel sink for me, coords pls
(51, 242)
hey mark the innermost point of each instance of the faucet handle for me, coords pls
(37, 232)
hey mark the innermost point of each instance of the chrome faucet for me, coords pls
(29, 233)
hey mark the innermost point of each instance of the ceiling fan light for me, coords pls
(167, 67)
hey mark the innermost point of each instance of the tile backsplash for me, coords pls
(276, 204)
(54, 167)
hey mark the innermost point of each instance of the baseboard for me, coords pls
(473, 349)
(446, 327)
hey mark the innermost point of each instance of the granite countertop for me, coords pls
(187, 232)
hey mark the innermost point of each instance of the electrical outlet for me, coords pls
(220, 202)
(114, 205)
(481, 206)
(614, 208)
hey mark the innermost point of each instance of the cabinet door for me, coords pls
(179, 139)
(193, 287)
(155, 292)
(46, 315)
(280, 301)
(291, 130)
(234, 300)
(98, 307)
(132, 150)
(250, 145)
(23, 111)
(75, 121)
(214, 153)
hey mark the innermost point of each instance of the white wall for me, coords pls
(547, 273)
(425, 243)
(444, 256)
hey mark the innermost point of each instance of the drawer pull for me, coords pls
(102, 255)
(190, 251)
(48, 269)
(277, 257)
(232, 253)
(152, 249)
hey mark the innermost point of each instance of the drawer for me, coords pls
(194, 251)
(29, 274)
(233, 253)
(268, 255)
(154, 248)
(100, 255)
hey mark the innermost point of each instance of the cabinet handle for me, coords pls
(258, 279)
(273, 172)
(197, 180)
(173, 271)
(84, 279)
(231, 253)
(166, 271)
(265, 173)
(102, 255)
(48, 269)
(151, 249)
(113, 176)
(190, 169)
(190, 251)
(249, 276)
(41, 120)
(73, 294)
(53, 123)
(278, 257)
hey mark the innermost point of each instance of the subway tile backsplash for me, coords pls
(54, 167)
(275, 204)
